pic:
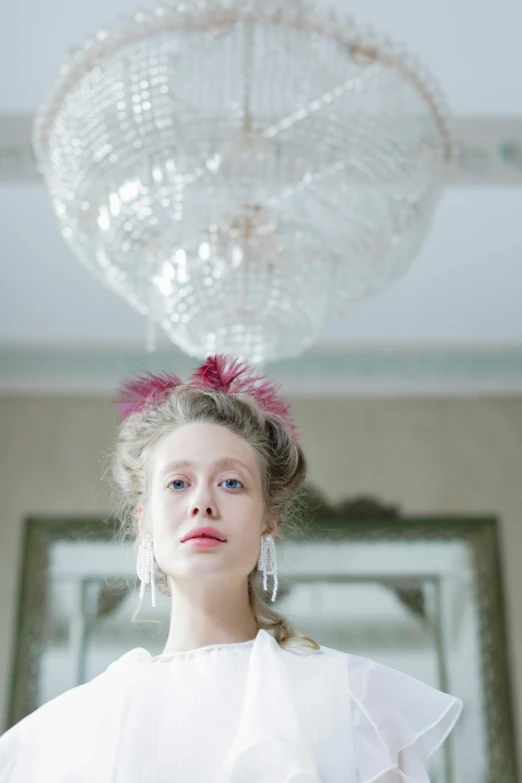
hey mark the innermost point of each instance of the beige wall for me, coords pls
(428, 456)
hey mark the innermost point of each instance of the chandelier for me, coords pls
(243, 172)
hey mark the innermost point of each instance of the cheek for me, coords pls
(245, 507)
(168, 512)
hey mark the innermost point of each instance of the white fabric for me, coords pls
(248, 712)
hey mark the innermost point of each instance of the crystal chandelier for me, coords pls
(242, 172)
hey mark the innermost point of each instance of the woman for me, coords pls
(208, 470)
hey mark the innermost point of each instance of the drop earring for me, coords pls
(145, 569)
(267, 562)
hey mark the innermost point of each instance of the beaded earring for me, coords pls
(145, 569)
(267, 562)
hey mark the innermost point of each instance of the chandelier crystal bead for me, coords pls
(243, 172)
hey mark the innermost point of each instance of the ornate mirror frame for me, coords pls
(361, 519)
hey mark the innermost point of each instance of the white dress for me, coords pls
(245, 712)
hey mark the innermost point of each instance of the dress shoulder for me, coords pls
(320, 716)
(58, 729)
(398, 722)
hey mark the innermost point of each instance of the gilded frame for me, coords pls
(362, 519)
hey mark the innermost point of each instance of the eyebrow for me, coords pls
(225, 462)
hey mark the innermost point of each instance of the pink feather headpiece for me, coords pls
(221, 373)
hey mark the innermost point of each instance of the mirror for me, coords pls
(420, 595)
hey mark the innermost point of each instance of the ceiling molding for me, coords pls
(329, 372)
(488, 151)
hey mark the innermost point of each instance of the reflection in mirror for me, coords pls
(421, 596)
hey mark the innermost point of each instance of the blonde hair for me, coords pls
(280, 458)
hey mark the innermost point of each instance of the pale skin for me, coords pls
(209, 587)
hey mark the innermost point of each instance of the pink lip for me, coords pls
(203, 542)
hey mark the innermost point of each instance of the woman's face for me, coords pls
(203, 474)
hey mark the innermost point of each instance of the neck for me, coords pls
(208, 615)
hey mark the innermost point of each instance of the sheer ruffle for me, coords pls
(268, 746)
(335, 718)
(399, 722)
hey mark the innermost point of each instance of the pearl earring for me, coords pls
(267, 562)
(145, 569)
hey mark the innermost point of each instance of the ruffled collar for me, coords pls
(270, 745)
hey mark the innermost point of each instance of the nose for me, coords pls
(202, 504)
(195, 510)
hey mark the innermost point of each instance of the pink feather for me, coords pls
(233, 376)
(221, 373)
(134, 394)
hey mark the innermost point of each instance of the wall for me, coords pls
(427, 455)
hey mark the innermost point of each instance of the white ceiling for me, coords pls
(465, 287)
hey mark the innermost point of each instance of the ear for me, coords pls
(142, 526)
(271, 527)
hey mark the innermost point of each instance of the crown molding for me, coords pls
(326, 371)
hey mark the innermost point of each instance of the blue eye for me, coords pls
(226, 481)
(177, 481)
(236, 480)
